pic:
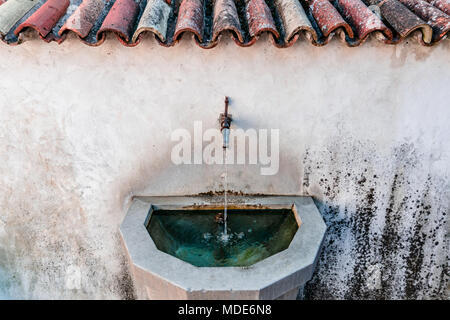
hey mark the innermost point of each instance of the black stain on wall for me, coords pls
(386, 218)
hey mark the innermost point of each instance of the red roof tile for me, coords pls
(438, 20)
(362, 19)
(190, 19)
(285, 20)
(328, 18)
(45, 18)
(443, 5)
(226, 19)
(120, 20)
(403, 21)
(83, 19)
(260, 19)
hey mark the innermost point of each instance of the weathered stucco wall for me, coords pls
(365, 131)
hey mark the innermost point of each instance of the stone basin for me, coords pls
(164, 238)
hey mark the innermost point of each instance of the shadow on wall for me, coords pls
(387, 222)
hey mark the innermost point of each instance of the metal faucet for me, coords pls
(225, 122)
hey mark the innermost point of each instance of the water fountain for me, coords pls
(267, 250)
(225, 123)
(171, 258)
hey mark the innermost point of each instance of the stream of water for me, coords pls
(225, 224)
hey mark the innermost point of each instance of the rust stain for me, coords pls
(230, 207)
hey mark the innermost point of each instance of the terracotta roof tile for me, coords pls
(403, 20)
(83, 19)
(438, 20)
(259, 19)
(226, 19)
(287, 21)
(443, 5)
(295, 20)
(154, 19)
(362, 19)
(120, 21)
(328, 19)
(190, 19)
(12, 11)
(45, 18)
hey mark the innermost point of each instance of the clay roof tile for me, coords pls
(120, 21)
(154, 19)
(438, 20)
(443, 5)
(363, 20)
(328, 18)
(317, 21)
(190, 19)
(45, 18)
(11, 12)
(226, 19)
(403, 20)
(84, 18)
(295, 20)
(259, 18)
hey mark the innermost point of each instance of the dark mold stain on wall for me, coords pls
(387, 223)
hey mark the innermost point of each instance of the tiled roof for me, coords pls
(287, 21)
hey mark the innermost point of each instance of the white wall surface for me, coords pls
(364, 130)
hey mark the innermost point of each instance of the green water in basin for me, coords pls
(195, 236)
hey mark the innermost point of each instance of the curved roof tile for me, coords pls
(362, 19)
(286, 20)
(443, 5)
(154, 19)
(294, 19)
(190, 19)
(260, 19)
(403, 20)
(45, 18)
(329, 20)
(12, 11)
(120, 21)
(226, 19)
(84, 18)
(438, 20)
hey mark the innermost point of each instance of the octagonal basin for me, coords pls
(178, 250)
(194, 236)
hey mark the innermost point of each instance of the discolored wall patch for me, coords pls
(387, 222)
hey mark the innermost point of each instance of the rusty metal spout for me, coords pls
(225, 123)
